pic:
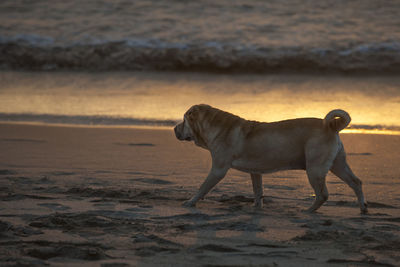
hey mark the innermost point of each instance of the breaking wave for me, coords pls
(33, 52)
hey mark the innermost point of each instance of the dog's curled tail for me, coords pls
(337, 120)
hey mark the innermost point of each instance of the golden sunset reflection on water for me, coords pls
(370, 101)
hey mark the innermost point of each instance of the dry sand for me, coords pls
(112, 197)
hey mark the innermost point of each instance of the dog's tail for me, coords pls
(337, 120)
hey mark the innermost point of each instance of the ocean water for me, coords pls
(144, 62)
(213, 36)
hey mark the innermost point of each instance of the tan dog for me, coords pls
(309, 144)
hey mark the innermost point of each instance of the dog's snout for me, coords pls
(177, 133)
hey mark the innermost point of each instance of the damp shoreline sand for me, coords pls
(107, 196)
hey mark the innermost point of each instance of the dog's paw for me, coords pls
(258, 205)
(308, 211)
(188, 204)
(364, 208)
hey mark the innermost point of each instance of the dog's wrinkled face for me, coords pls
(183, 131)
(192, 127)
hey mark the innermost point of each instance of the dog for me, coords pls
(309, 144)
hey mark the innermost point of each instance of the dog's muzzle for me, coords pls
(179, 135)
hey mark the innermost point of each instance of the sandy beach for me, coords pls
(97, 196)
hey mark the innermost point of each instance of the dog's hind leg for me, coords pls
(342, 170)
(316, 177)
(256, 179)
(320, 153)
(213, 178)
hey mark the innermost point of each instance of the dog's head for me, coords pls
(191, 127)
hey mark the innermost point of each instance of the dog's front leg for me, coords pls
(256, 180)
(216, 174)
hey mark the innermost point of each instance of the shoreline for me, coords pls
(162, 127)
(99, 126)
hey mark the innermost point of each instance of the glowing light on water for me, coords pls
(162, 98)
(372, 131)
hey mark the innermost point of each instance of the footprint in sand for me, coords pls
(151, 181)
(54, 206)
(7, 172)
(135, 144)
(217, 248)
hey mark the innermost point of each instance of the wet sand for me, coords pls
(73, 196)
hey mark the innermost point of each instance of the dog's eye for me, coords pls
(190, 114)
